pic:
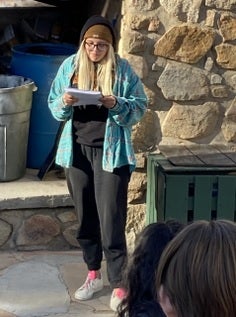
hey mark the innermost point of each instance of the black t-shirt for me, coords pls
(89, 124)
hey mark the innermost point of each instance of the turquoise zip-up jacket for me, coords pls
(130, 108)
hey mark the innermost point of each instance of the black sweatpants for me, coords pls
(100, 199)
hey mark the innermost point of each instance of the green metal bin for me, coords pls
(189, 193)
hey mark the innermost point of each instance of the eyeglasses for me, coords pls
(100, 46)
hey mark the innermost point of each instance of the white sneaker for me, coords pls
(91, 286)
(117, 296)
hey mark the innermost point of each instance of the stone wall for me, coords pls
(185, 53)
(38, 229)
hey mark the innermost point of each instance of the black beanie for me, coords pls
(94, 20)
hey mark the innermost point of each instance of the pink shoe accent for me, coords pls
(92, 275)
(120, 293)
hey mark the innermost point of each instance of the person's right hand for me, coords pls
(68, 99)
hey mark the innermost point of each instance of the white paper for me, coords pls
(86, 97)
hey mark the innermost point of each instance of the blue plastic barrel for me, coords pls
(40, 62)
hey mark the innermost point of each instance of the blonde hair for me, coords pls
(87, 77)
(198, 270)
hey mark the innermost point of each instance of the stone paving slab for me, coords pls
(42, 283)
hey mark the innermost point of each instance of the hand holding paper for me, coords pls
(85, 97)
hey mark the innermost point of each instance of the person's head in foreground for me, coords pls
(139, 277)
(196, 275)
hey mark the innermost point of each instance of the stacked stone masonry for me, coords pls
(38, 229)
(185, 53)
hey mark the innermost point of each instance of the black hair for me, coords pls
(139, 276)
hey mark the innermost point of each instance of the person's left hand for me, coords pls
(69, 99)
(108, 101)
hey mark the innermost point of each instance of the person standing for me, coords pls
(95, 148)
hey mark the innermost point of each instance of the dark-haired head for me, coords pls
(139, 278)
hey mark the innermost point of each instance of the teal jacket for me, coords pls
(130, 108)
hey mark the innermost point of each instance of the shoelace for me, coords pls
(88, 283)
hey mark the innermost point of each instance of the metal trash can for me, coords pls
(16, 95)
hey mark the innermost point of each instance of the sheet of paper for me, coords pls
(86, 97)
